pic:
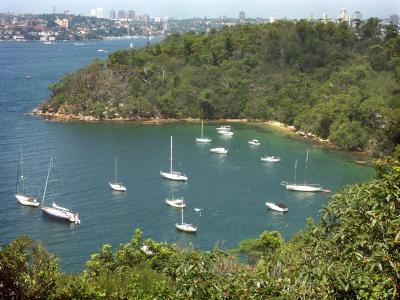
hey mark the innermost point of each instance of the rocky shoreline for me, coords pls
(288, 129)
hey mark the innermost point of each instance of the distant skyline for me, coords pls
(211, 8)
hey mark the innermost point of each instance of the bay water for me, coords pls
(229, 192)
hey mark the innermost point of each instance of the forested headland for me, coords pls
(331, 80)
(352, 252)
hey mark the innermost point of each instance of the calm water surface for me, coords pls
(231, 190)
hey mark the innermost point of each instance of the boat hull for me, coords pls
(186, 228)
(203, 140)
(178, 203)
(270, 159)
(219, 150)
(117, 187)
(61, 214)
(275, 207)
(303, 188)
(173, 176)
(27, 201)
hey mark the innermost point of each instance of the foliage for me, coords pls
(325, 79)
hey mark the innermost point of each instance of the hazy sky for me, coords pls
(211, 8)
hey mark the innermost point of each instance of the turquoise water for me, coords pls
(231, 190)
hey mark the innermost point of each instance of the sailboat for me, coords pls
(270, 158)
(115, 185)
(306, 187)
(179, 203)
(131, 45)
(20, 187)
(185, 226)
(173, 175)
(55, 211)
(202, 139)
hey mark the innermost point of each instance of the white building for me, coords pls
(99, 12)
(343, 17)
(92, 12)
(272, 19)
(157, 19)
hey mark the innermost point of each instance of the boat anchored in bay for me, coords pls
(203, 139)
(173, 175)
(20, 194)
(185, 227)
(55, 211)
(277, 206)
(306, 187)
(115, 185)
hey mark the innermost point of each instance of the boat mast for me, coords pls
(201, 129)
(295, 171)
(171, 157)
(47, 179)
(182, 215)
(115, 169)
(22, 176)
(305, 171)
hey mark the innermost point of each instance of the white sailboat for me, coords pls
(20, 194)
(306, 187)
(115, 185)
(55, 211)
(202, 139)
(173, 175)
(219, 150)
(277, 206)
(185, 227)
(269, 158)
(254, 142)
(179, 203)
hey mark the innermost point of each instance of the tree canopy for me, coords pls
(331, 80)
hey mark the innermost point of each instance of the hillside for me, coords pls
(328, 79)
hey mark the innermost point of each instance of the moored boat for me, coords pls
(219, 150)
(173, 175)
(20, 193)
(55, 211)
(254, 142)
(277, 206)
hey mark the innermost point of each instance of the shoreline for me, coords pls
(316, 141)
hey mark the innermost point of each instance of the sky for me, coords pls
(211, 8)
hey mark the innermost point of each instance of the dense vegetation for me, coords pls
(352, 253)
(329, 79)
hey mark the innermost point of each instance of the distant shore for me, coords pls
(287, 129)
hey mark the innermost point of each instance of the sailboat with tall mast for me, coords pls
(269, 158)
(185, 227)
(173, 175)
(203, 139)
(55, 211)
(20, 194)
(306, 187)
(115, 185)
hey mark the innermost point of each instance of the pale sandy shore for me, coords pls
(287, 129)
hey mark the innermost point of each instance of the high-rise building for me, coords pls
(343, 17)
(121, 14)
(112, 14)
(242, 15)
(131, 15)
(157, 19)
(93, 13)
(146, 18)
(394, 19)
(99, 12)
